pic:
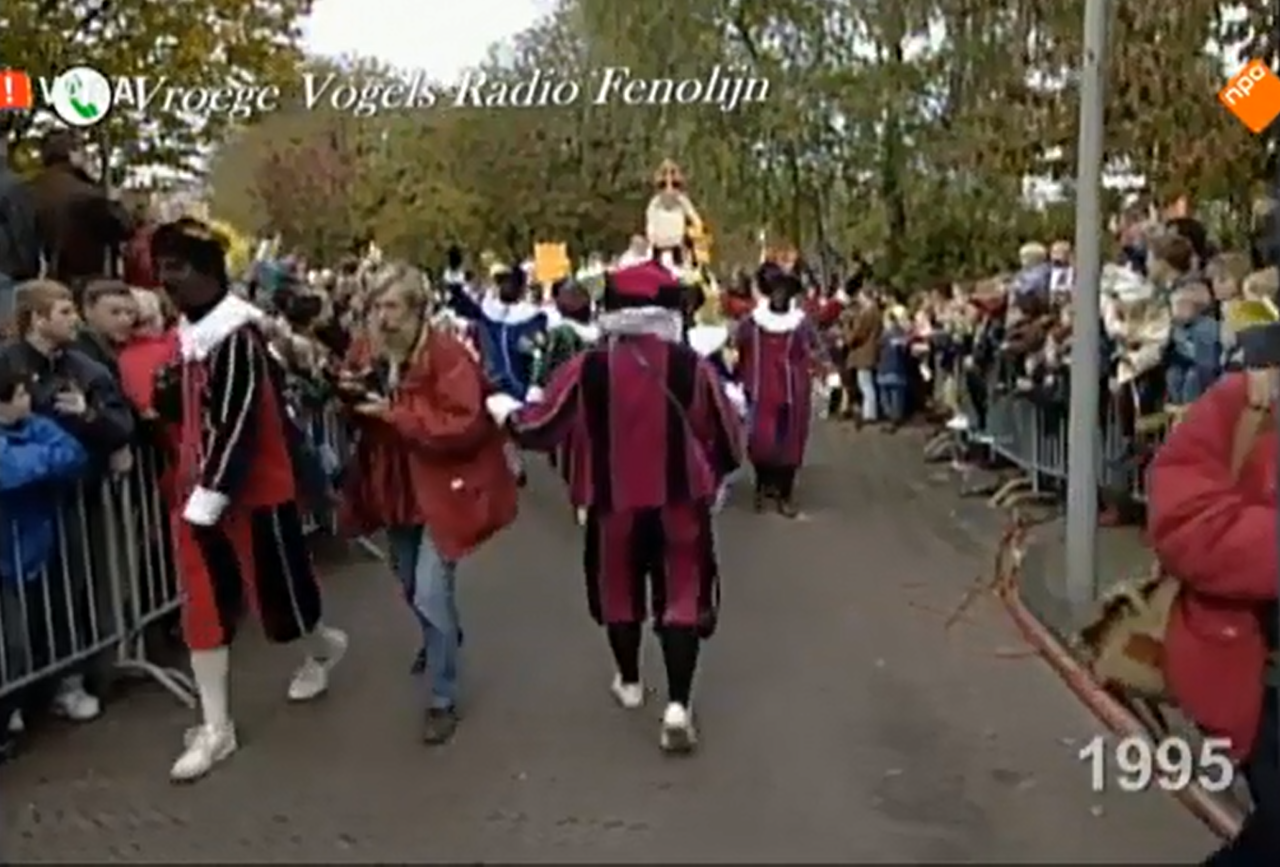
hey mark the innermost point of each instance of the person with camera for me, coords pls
(238, 529)
(428, 467)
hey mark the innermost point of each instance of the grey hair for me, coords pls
(413, 283)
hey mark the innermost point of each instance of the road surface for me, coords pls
(839, 721)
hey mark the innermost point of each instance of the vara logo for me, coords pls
(1253, 96)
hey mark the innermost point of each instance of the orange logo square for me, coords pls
(16, 93)
(1253, 95)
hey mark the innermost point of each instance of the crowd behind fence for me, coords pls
(110, 581)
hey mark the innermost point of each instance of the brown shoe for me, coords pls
(439, 726)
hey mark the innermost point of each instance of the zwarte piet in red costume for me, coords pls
(237, 524)
(657, 437)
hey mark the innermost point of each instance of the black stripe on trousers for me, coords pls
(288, 595)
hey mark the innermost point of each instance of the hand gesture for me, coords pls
(374, 406)
(121, 461)
(70, 402)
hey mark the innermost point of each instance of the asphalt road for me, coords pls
(840, 722)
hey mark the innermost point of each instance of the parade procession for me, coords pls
(649, 390)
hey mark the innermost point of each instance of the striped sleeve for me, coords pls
(237, 374)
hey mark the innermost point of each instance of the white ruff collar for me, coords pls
(518, 313)
(776, 323)
(198, 339)
(707, 340)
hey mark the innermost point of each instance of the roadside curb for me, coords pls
(1204, 806)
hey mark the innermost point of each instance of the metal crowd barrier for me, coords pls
(110, 578)
(991, 414)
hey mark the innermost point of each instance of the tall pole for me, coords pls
(1084, 441)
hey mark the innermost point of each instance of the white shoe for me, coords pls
(311, 680)
(203, 747)
(72, 701)
(678, 733)
(957, 424)
(580, 516)
(629, 695)
(17, 725)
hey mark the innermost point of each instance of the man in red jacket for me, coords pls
(238, 534)
(1212, 521)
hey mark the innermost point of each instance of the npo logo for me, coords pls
(1253, 95)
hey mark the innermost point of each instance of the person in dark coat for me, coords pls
(19, 239)
(659, 437)
(80, 225)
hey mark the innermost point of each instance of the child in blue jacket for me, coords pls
(1193, 356)
(37, 460)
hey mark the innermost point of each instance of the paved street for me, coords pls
(840, 722)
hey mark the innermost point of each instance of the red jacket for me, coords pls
(139, 270)
(436, 458)
(822, 312)
(139, 362)
(1217, 535)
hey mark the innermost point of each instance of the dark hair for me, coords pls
(12, 376)
(453, 256)
(1175, 250)
(57, 147)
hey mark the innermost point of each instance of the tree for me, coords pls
(908, 130)
(210, 43)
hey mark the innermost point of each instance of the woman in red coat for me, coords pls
(428, 468)
(1213, 526)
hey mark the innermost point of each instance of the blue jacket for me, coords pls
(894, 360)
(1192, 359)
(38, 460)
(508, 335)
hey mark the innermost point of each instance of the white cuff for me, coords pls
(737, 396)
(204, 507)
(501, 406)
(535, 395)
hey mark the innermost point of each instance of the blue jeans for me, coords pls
(867, 389)
(430, 585)
(893, 402)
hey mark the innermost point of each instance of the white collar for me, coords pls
(776, 323)
(707, 340)
(198, 339)
(585, 330)
(496, 310)
(657, 322)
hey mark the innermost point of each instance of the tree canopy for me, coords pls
(908, 130)
(210, 43)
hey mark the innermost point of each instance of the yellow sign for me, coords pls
(551, 262)
(701, 238)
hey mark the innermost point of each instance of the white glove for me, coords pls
(501, 406)
(834, 380)
(534, 395)
(737, 397)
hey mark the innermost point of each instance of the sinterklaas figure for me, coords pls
(671, 221)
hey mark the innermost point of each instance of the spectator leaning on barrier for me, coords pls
(109, 312)
(80, 225)
(1212, 522)
(65, 384)
(38, 462)
(19, 239)
(1193, 356)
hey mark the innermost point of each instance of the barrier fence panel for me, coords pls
(107, 578)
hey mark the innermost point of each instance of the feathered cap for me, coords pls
(646, 284)
(194, 242)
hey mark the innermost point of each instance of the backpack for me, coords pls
(1124, 642)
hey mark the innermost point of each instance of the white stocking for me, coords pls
(212, 672)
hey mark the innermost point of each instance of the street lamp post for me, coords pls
(1086, 363)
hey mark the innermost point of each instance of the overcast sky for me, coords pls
(441, 37)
